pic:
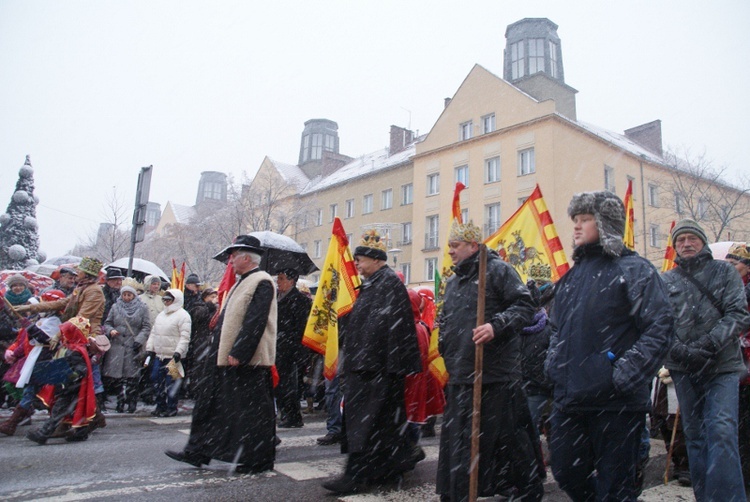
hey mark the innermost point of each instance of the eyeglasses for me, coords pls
(167, 300)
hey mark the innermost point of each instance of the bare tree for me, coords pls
(271, 203)
(702, 192)
(111, 239)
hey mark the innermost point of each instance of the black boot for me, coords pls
(42, 434)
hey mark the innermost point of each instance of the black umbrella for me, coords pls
(283, 252)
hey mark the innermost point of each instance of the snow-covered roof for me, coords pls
(620, 140)
(183, 214)
(291, 174)
(363, 166)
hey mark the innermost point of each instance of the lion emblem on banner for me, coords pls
(518, 254)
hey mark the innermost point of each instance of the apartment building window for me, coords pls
(517, 60)
(317, 147)
(526, 162)
(367, 204)
(406, 270)
(334, 211)
(702, 208)
(406, 233)
(319, 218)
(407, 194)
(464, 131)
(350, 208)
(349, 238)
(430, 267)
(386, 199)
(679, 203)
(553, 70)
(492, 218)
(492, 170)
(462, 175)
(609, 179)
(212, 190)
(653, 195)
(653, 236)
(433, 184)
(465, 215)
(536, 55)
(488, 123)
(317, 249)
(431, 238)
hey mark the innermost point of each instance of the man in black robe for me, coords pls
(507, 456)
(234, 416)
(379, 349)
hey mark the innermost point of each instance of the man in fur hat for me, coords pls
(705, 361)
(379, 349)
(612, 328)
(507, 458)
(234, 417)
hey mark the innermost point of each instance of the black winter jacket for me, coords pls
(508, 307)
(602, 305)
(292, 312)
(534, 344)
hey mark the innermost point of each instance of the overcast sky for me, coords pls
(94, 90)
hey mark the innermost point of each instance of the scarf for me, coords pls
(129, 308)
(18, 299)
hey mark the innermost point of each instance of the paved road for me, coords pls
(125, 461)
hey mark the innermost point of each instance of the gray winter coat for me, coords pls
(697, 318)
(121, 360)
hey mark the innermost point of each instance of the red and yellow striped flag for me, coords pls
(669, 254)
(335, 298)
(178, 278)
(629, 237)
(528, 241)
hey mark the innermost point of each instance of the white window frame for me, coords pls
(536, 60)
(433, 184)
(465, 131)
(406, 270)
(406, 233)
(317, 247)
(462, 174)
(432, 236)
(349, 208)
(553, 70)
(517, 60)
(492, 170)
(488, 123)
(319, 218)
(334, 211)
(367, 204)
(430, 267)
(492, 218)
(609, 179)
(653, 195)
(653, 236)
(407, 194)
(526, 161)
(386, 199)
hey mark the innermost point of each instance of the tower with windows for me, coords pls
(320, 139)
(212, 187)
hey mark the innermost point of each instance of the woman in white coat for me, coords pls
(169, 339)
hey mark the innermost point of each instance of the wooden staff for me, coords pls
(476, 416)
(671, 445)
(7, 306)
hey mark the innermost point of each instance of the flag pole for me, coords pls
(476, 415)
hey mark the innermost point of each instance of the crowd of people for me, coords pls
(577, 361)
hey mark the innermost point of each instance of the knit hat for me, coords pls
(17, 279)
(90, 266)
(467, 232)
(609, 213)
(689, 226)
(128, 289)
(372, 246)
(193, 279)
(741, 252)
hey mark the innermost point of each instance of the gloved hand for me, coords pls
(177, 357)
(706, 344)
(137, 346)
(693, 357)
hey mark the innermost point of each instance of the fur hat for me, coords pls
(689, 226)
(467, 232)
(372, 246)
(114, 273)
(17, 279)
(609, 213)
(248, 243)
(739, 251)
(90, 266)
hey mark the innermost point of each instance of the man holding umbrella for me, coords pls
(234, 420)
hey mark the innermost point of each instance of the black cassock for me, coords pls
(234, 415)
(380, 348)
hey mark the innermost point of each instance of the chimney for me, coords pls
(648, 136)
(446, 102)
(400, 139)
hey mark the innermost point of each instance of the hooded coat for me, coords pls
(171, 330)
(122, 360)
(696, 318)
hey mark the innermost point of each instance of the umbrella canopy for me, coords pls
(140, 267)
(52, 264)
(720, 249)
(283, 252)
(37, 282)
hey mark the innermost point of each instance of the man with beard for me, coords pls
(294, 307)
(234, 417)
(379, 349)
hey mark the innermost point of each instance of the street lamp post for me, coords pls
(394, 252)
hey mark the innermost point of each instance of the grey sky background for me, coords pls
(94, 90)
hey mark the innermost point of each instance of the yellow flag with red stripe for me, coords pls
(334, 298)
(529, 242)
(629, 237)
(669, 254)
